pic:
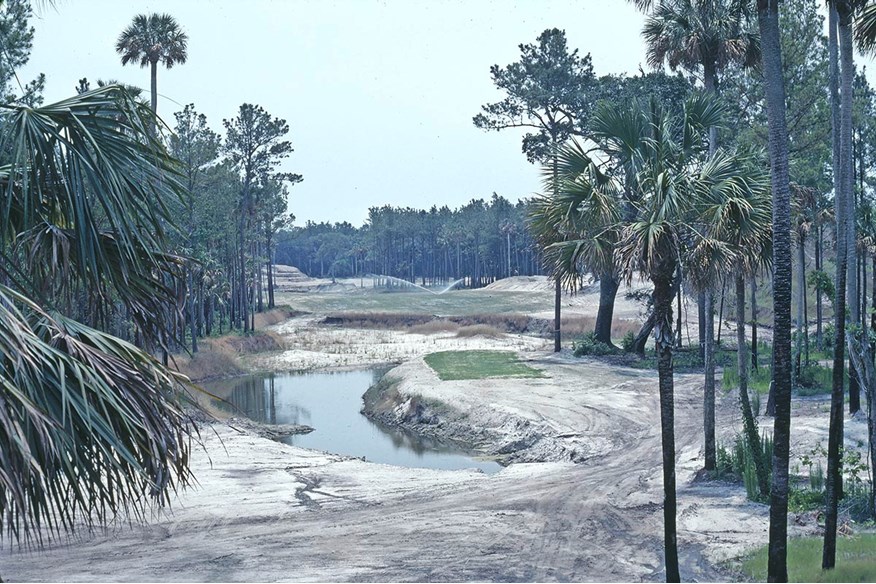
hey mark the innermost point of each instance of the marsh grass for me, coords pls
(458, 365)
(855, 560)
(479, 330)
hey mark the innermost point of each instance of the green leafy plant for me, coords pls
(589, 346)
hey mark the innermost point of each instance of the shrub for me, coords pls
(628, 343)
(588, 345)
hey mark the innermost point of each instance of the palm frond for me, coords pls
(88, 424)
(89, 178)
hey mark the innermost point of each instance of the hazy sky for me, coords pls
(379, 94)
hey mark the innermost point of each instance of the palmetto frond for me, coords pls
(691, 34)
(156, 38)
(577, 227)
(865, 28)
(86, 182)
(88, 424)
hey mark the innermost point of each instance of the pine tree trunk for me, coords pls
(801, 299)
(558, 296)
(819, 266)
(193, 321)
(768, 23)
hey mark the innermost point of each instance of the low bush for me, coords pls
(628, 343)
(589, 346)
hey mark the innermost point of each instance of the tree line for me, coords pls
(477, 243)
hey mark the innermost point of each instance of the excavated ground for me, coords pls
(266, 511)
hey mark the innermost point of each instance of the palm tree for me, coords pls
(151, 40)
(702, 35)
(672, 189)
(90, 424)
(774, 86)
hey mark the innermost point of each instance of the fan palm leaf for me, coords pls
(90, 425)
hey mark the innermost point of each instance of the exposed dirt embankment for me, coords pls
(220, 357)
(502, 418)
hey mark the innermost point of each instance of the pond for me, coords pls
(331, 403)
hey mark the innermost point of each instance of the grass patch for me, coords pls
(855, 560)
(758, 380)
(456, 365)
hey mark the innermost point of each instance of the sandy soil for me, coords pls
(265, 511)
(310, 346)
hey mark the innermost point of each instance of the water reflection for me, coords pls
(330, 403)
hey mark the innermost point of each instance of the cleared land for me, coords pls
(265, 511)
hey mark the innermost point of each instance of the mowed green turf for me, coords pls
(855, 560)
(456, 365)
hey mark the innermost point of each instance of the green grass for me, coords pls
(455, 365)
(855, 560)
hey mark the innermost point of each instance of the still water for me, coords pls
(330, 403)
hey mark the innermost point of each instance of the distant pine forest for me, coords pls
(479, 243)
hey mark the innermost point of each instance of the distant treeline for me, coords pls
(478, 242)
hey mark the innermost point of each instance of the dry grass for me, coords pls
(273, 316)
(434, 326)
(377, 320)
(240, 344)
(208, 364)
(479, 330)
(508, 322)
(575, 327)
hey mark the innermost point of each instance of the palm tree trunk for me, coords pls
(153, 78)
(847, 187)
(663, 292)
(608, 285)
(558, 297)
(774, 85)
(833, 484)
(819, 265)
(709, 386)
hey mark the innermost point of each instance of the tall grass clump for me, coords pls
(737, 463)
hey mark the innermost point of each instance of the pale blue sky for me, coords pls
(378, 94)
